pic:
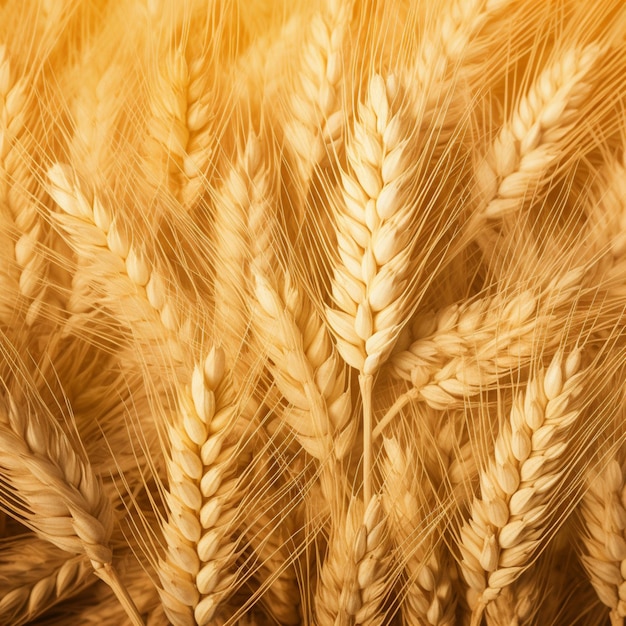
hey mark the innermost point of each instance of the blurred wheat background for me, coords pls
(312, 312)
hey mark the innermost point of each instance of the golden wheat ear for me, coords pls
(50, 488)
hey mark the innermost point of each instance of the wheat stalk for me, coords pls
(510, 517)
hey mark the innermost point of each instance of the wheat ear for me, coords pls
(20, 191)
(603, 517)
(373, 227)
(529, 144)
(132, 285)
(353, 581)
(63, 500)
(467, 349)
(245, 192)
(201, 498)
(511, 516)
(428, 596)
(315, 116)
(35, 575)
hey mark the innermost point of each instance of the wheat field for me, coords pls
(313, 312)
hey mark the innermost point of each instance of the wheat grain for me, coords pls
(511, 515)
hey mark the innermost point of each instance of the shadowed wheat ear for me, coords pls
(48, 486)
(353, 582)
(603, 516)
(373, 226)
(202, 497)
(181, 136)
(35, 575)
(511, 516)
(271, 538)
(21, 195)
(427, 595)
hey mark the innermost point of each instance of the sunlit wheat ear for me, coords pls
(531, 141)
(55, 492)
(126, 279)
(511, 516)
(314, 113)
(374, 225)
(36, 575)
(428, 596)
(353, 582)
(603, 516)
(202, 497)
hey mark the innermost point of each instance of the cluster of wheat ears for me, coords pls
(312, 312)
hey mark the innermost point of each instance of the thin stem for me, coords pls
(477, 615)
(394, 409)
(108, 574)
(366, 383)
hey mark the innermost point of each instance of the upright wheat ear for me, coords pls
(202, 497)
(315, 117)
(373, 226)
(56, 493)
(353, 581)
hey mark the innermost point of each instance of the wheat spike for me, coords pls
(509, 518)
(352, 585)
